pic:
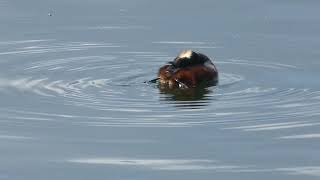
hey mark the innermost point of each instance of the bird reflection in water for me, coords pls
(191, 98)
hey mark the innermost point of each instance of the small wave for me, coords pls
(301, 136)
(24, 41)
(38, 86)
(160, 164)
(116, 27)
(303, 170)
(275, 126)
(271, 65)
(229, 79)
(45, 47)
(12, 137)
(178, 42)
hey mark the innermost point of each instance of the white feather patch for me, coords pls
(185, 54)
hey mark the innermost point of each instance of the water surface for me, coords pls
(74, 104)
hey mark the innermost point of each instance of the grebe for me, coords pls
(188, 70)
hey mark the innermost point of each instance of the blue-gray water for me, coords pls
(74, 104)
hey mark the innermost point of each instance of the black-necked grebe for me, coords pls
(189, 69)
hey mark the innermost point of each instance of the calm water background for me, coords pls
(74, 104)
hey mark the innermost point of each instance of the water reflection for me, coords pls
(187, 98)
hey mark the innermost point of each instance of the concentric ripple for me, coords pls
(108, 89)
